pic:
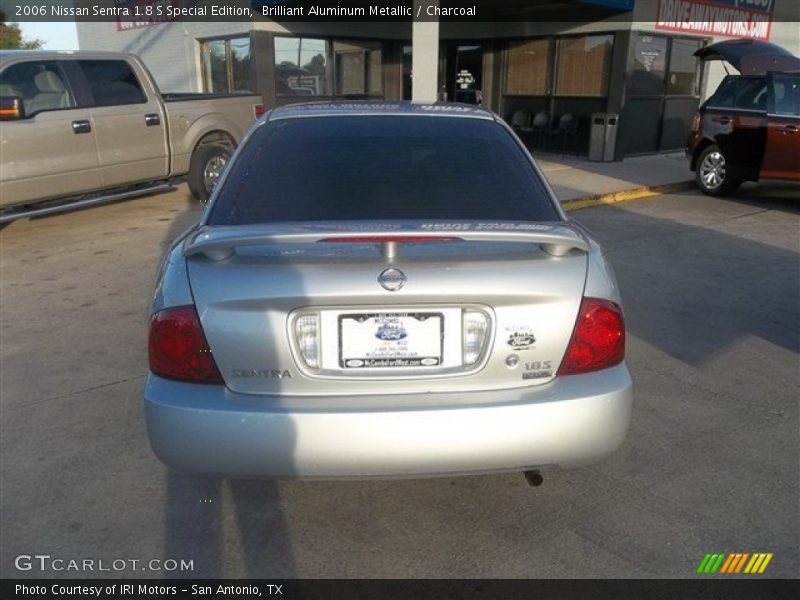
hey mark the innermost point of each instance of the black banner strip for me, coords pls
(356, 11)
(733, 588)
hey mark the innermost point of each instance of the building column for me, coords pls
(425, 56)
(262, 56)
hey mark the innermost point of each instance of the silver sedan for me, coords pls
(382, 290)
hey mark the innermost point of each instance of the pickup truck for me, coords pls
(82, 125)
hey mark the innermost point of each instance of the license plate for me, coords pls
(381, 340)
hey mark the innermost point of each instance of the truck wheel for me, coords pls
(713, 174)
(207, 164)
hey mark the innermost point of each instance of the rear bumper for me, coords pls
(572, 421)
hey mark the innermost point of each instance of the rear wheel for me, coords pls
(713, 173)
(208, 163)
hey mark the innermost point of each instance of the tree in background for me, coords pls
(11, 37)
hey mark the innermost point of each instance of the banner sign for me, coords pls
(720, 18)
(144, 13)
(615, 4)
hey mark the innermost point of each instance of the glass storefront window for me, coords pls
(684, 76)
(240, 64)
(301, 67)
(528, 68)
(227, 65)
(650, 65)
(357, 66)
(584, 65)
(215, 66)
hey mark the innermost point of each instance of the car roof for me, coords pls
(380, 107)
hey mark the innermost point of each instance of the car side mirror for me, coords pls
(11, 108)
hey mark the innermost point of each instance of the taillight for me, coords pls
(598, 340)
(178, 348)
(258, 111)
(696, 121)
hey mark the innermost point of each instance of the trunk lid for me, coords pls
(251, 283)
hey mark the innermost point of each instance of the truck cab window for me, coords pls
(112, 82)
(41, 85)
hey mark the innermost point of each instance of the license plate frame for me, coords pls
(427, 360)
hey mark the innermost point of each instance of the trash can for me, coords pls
(610, 147)
(603, 137)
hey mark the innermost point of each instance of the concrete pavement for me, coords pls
(710, 464)
(575, 178)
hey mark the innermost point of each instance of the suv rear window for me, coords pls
(749, 93)
(381, 167)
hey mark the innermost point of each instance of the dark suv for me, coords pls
(749, 129)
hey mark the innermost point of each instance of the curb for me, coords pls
(627, 195)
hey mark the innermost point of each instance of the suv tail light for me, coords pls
(598, 340)
(178, 348)
(258, 111)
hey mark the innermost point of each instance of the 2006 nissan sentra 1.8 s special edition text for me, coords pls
(385, 290)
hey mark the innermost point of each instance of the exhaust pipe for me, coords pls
(534, 478)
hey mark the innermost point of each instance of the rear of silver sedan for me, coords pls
(385, 290)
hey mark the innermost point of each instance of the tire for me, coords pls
(713, 174)
(208, 162)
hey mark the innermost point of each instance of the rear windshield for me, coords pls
(749, 93)
(381, 167)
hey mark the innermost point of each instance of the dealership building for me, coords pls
(546, 66)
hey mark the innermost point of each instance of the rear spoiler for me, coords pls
(220, 242)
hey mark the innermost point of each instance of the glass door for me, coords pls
(646, 81)
(465, 74)
(663, 93)
(682, 93)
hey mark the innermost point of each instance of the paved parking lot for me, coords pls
(711, 462)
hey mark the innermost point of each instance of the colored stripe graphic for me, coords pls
(725, 567)
(733, 563)
(711, 562)
(758, 563)
(718, 563)
(765, 563)
(741, 562)
(703, 563)
(754, 562)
